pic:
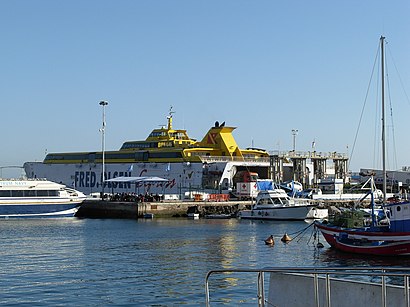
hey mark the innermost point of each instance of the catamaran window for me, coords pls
(398, 208)
(5, 193)
(53, 193)
(42, 193)
(17, 193)
(30, 193)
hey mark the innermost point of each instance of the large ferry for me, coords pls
(208, 165)
(37, 198)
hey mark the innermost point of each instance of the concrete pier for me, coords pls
(133, 210)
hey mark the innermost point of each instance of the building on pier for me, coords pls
(308, 168)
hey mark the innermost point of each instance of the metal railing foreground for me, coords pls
(325, 279)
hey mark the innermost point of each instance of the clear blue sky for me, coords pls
(266, 67)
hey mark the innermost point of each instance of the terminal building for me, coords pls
(309, 168)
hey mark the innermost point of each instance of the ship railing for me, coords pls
(309, 154)
(209, 159)
(389, 285)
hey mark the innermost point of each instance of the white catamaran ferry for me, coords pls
(189, 165)
(37, 198)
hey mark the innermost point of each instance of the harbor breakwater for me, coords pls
(134, 210)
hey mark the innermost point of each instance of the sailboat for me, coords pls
(388, 238)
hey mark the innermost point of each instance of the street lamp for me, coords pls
(103, 104)
(294, 133)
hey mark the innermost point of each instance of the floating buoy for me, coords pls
(286, 238)
(319, 245)
(270, 240)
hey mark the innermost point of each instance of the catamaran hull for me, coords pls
(34, 210)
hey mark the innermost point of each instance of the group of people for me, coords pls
(134, 197)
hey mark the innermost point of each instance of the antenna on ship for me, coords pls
(169, 117)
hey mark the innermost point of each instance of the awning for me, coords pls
(137, 179)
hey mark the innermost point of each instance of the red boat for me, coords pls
(377, 248)
(382, 233)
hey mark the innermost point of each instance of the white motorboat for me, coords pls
(277, 205)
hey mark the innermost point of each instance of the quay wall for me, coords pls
(133, 210)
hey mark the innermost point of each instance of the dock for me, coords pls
(134, 210)
(165, 209)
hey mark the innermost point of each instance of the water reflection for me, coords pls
(151, 262)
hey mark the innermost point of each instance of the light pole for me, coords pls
(294, 133)
(103, 104)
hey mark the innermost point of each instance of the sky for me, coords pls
(265, 67)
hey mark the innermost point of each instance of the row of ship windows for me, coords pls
(177, 135)
(138, 156)
(140, 145)
(28, 193)
(151, 145)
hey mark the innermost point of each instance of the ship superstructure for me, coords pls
(209, 164)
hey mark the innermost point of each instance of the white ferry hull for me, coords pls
(87, 177)
(182, 176)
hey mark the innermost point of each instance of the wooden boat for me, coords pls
(377, 248)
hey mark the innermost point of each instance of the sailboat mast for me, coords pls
(383, 123)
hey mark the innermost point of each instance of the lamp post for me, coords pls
(294, 133)
(103, 104)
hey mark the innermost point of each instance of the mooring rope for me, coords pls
(300, 232)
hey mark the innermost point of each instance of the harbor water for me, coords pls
(158, 262)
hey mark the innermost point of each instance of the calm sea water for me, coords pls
(159, 262)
